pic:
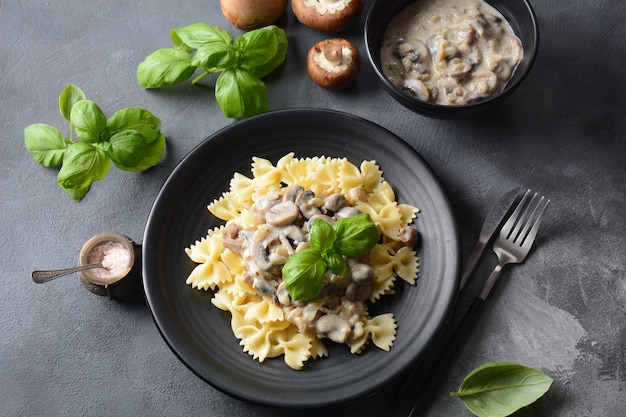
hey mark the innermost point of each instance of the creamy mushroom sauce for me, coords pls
(450, 52)
(286, 216)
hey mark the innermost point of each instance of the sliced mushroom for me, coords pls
(328, 16)
(417, 88)
(334, 327)
(347, 211)
(413, 54)
(356, 292)
(282, 214)
(231, 239)
(361, 273)
(293, 192)
(458, 69)
(309, 210)
(334, 202)
(304, 197)
(270, 245)
(333, 64)
(484, 84)
(408, 235)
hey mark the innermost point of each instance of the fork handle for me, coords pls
(491, 281)
(418, 387)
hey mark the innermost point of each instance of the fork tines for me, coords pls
(522, 229)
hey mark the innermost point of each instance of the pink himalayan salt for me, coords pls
(114, 257)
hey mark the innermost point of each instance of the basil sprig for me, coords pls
(498, 389)
(131, 138)
(348, 237)
(241, 62)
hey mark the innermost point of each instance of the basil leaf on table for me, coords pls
(165, 67)
(69, 96)
(356, 235)
(242, 62)
(304, 274)
(199, 34)
(240, 94)
(89, 122)
(261, 70)
(131, 138)
(498, 389)
(45, 143)
(214, 56)
(135, 118)
(127, 148)
(82, 164)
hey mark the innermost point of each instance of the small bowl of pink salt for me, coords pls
(116, 253)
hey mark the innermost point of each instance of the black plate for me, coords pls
(200, 334)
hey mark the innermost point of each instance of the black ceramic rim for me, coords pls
(200, 334)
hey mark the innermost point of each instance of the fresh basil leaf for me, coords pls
(496, 389)
(69, 96)
(135, 118)
(304, 274)
(240, 94)
(89, 122)
(153, 154)
(198, 34)
(127, 148)
(279, 38)
(77, 193)
(82, 164)
(356, 235)
(165, 67)
(336, 263)
(321, 236)
(256, 47)
(45, 143)
(214, 55)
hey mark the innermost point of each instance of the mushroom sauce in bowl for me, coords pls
(450, 51)
(450, 59)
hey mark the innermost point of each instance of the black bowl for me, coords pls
(518, 13)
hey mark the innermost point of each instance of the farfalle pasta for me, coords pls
(267, 218)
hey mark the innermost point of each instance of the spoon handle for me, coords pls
(44, 276)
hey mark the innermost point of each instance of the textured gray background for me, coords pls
(65, 351)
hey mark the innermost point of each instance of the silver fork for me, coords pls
(511, 246)
(516, 236)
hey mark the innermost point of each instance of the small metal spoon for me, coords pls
(44, 276)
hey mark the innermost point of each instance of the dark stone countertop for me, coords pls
(66, 351)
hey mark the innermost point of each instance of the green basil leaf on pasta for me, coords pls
(356, 235)
(304, 274)
(501, 388)
(321, 236)
(337, 264)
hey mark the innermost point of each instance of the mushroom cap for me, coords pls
(329, 22)
(252, 14)
(341, 76)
